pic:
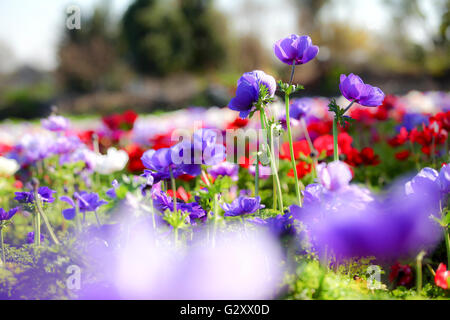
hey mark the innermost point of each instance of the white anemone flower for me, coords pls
(8, 167)
(114, 160)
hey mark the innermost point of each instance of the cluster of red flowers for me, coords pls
(401, 274)
(124, 121)
(4, 148)
(430, 137)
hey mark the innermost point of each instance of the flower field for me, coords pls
(277, 195)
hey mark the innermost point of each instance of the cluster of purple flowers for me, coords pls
(162, 202)
(352, 223)
(186, 157)
(45, 194)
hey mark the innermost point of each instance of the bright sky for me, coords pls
(31, 29)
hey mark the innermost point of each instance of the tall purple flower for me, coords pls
(55, 123)
(242, 205)
(45, 193)
(248, 90)
(295, 49)
(6, 215)
(354, 89)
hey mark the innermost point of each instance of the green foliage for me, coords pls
(339, 112)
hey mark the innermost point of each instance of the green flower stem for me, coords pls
(176, 236)
(153, 214)
(446, 236)
(291, 149)
(97, 218)
(37, 228)
(257, 175)
(273, 166)
(447, 244)
(174, 191)
(419, 260)
(40, 212)
(335, 140)
(3, 261)
(335, 133)
(274, 192)
(216, 218)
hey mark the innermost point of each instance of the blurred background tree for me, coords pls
(165, 36)
(88, 57)
(134, 54)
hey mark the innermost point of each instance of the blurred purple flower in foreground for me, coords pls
(248, 90)
(295, 49)
(235, 267)
(354, 89)
(396, 226)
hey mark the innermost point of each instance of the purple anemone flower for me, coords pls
(86, 202)
(299, 109)
(224, 169)
(6, 215)
(295, 49)
(65, 145)
(444, 179)
(112, 192)
(248, 89)
(45, 193)
(160, 164)
(55, 123)
(264, 171)
(162, 202)
(354, 89)
(334, 176)
(427, 180)
(242, 205)
(30, 237)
